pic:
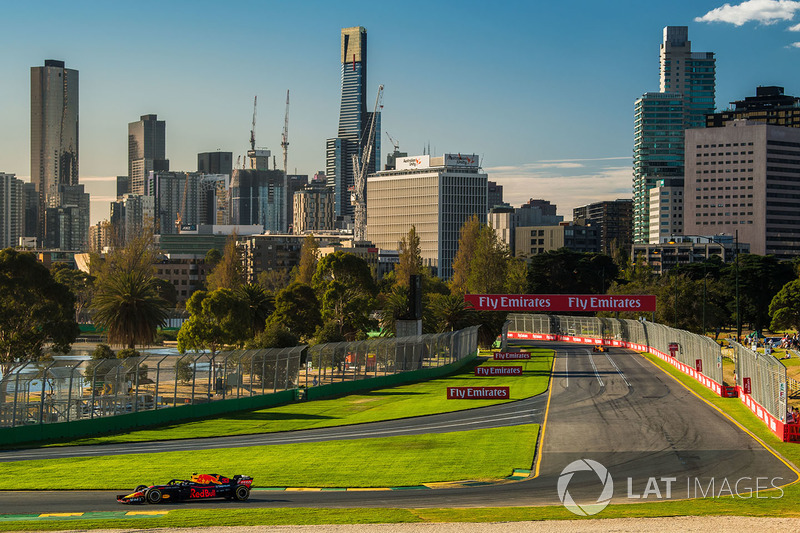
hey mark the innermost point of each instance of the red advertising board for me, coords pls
(561, 302)
(698, 365)
(673, 348)
(498, 370)
(746, 385)
(478, 393)
(511, 356)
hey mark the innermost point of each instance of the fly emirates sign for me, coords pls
(561, 302)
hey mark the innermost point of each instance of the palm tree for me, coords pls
(260, 304)
(452, 312)
(127, 305)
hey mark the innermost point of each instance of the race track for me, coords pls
(615, 408)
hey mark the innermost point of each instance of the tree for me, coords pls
(410, 259)
(565, 271)
(516, 276)
(273, 336)
(274, 280)
(759, 280)
(309, 256)
(78, 282)
(452, 313)
(259, 303)
(345, 287)
(785, 307)
(229, 272)
(126, 301)
(34, 309)
(297, 309)
(395, 306)
(217, 318)
(467, 243)
(213, 257)
(488, 264)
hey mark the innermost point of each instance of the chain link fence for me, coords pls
(766, 379)
(75, 387)
(684, 346)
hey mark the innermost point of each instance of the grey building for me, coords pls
(614, 218)
(175, 200)
(686, 95)
(535, 212)
(314, 209)
(533, 240)
(354, 120)
(258, 197)
(494, 194)
(215, 163)
(146, 150)
(54, 133)
(744, 178)
(12, 210)
(123, 186)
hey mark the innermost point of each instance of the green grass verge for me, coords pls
(372, 462)
(424, 398)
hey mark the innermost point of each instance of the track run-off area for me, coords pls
(655, 438)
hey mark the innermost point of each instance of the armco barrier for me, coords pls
(766, 376)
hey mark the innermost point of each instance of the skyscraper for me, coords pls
(54, 133)
(354, 120)
(12, 210)
(215, 163)
(146, 151)
(687, 87)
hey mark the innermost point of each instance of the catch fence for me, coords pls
(75, 387)
(761, 380)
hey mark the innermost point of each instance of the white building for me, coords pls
(666, 212)
(436, 195)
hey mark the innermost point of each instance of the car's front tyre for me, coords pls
(241, 493)
(140, 488)
(153, 496)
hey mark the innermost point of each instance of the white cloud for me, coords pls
(97, 178)
(762, 11)
(794, 45)
(796, 27)
(564, 187)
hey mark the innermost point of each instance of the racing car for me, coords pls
(199, 487)
(598, 348)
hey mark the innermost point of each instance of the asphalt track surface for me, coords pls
(615, 408)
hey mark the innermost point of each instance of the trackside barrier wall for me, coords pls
(73, 396)
(695, 355)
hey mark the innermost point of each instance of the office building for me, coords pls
(314, 209)
(685, 249)
(294, 183)
(495, 194)
(614, 218)
(436, 195)
(354, 120)
(533, 240)
(102, 237)
(54, 133)
(146, 151)
(215, 163)
(123, 186)
(666, 212)
(769, 106)
(535, 212)
(175, 200)
(138, 215)
(745, 178)
(686, 95)
(12, 210)
(213, 201)
(258, 197)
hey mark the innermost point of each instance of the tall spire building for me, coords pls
(687, 87)
(146, 151)
(54, 134)
(354, 119)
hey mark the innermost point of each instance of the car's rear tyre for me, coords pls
(241, 493)
(140, 488)
(153, 496)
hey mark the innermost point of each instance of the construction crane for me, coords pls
(253, 128)
(396, 144)
(360, 169)
(285, 136)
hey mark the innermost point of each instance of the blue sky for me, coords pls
(543, 91)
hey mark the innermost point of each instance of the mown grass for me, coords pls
(417, 399)
(371, 462)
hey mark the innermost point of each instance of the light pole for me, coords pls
(738, 318)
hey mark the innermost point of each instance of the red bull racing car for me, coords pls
(199, 487)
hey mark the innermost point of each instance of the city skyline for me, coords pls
(542, 102)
